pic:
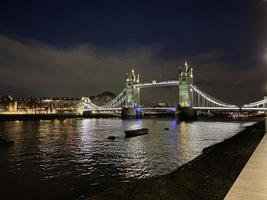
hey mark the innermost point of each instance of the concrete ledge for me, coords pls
(252, 181)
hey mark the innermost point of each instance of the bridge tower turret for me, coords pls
(185, 79)
(132, 101)
(132, 93)
(185, 92)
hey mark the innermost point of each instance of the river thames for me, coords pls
(74, 159)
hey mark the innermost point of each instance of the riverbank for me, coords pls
(209, 176)
(33, 117)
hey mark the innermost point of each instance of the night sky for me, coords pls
(82, 48)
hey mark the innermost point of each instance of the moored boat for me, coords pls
(136, 132)
(112, 137)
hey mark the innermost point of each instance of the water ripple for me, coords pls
(78, 152)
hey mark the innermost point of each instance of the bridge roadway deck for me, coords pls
(252, 181)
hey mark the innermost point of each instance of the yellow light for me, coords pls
(47, 100)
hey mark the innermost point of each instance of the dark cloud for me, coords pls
(31, 68)
(231, 81)
(73, 71)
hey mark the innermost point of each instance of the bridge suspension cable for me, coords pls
(114, 103)
(209, 100)
(118, 100)
(256, 104)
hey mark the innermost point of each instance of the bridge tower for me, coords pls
(185, 92)
(132, 93)
(132, 101)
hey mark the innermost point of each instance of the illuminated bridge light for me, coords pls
(206, 101)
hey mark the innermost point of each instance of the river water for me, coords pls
(73, 159)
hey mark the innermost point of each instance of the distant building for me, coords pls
(46, 105)
(42, 105)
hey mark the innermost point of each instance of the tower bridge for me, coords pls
(191, 98)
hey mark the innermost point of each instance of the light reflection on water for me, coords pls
(67, 152)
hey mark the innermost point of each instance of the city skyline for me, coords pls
(133, 99)
(78, 49)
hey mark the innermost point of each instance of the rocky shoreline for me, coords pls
(209, 176)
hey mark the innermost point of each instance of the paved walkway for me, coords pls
(251, 183)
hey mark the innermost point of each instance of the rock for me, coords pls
(112, 137)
